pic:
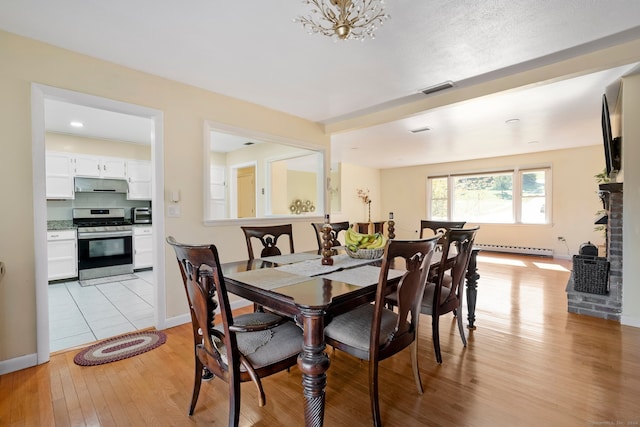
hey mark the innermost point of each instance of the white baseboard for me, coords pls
(18, 363)
(186, 318)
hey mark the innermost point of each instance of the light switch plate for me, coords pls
(173, 211)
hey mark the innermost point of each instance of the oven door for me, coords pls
(102, 250)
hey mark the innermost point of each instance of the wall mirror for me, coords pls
(250, 176)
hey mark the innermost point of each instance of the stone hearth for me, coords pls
(608, 306)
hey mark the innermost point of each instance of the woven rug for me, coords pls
(119, 348)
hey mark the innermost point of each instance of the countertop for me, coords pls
(60, 225)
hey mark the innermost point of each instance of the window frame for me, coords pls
(517, 197)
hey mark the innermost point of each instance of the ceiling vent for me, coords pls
(437, 88)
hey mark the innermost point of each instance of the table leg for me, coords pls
(472, 287)
(313, 362)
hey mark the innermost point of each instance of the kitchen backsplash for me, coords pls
(60, 210)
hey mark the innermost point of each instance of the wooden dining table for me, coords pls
(300, 287)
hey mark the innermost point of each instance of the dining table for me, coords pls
(301, 287)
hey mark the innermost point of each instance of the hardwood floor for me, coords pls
(529, 363)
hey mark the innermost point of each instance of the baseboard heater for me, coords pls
(514, 249)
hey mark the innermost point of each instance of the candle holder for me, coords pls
(327, 242)
(391, 227)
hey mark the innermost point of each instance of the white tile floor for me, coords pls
(84, 314)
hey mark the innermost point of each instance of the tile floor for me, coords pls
(80, 315)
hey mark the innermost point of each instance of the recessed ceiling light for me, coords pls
(533, 142)
(512, 121)
(76, 124)
(423, 129)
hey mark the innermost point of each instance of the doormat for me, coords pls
(119, 348)
(108, 279)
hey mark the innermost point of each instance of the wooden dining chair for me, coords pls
(372, 332)
(361, 227)
(439, 226)
(235, 349)
(445, 295)
(268, 237)
(336, 228)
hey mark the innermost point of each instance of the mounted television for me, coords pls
(611, 145)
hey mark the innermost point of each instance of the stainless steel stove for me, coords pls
(105, 242)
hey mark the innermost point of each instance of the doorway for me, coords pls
(39, 94)
(247, 192)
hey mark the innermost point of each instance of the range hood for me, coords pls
(100, 185)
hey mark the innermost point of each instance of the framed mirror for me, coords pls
(250, 176)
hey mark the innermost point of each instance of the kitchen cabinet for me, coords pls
(142, 246)
(59, 175)
(62, 254)
(100, 167)
(139, 177)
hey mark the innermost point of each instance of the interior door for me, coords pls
(247, 192)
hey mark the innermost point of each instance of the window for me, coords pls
(504, 197)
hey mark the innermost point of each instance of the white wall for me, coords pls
(631, 200)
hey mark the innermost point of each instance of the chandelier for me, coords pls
(344, 19)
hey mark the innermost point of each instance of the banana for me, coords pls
(355, 240)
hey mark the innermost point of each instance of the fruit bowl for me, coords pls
(365, 253)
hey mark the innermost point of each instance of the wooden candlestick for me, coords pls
(327, 243)
(391, 227)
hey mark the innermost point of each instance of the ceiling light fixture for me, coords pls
(76, 124)
(344, 19)
(437, 88)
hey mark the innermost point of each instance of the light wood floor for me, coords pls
(529, 363)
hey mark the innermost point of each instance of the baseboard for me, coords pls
(18, 363)
(186, 318)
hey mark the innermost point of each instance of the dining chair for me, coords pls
(445, 294)
(439, 226)
(372, 332)
(361, 227)
(336, 228)
(268, 237)
(235, 349)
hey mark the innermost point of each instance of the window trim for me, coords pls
(517, 173)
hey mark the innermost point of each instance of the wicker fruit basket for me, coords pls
(365, 253)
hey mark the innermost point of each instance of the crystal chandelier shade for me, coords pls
(344, 19)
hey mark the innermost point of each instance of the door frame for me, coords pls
(39, 93)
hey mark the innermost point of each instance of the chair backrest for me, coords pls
(205, 288)
(461, 240)
(268, 236)
(414, 256)
(439, 226)
(336, 228)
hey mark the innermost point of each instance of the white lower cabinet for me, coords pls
(62, 254)
(142, 247)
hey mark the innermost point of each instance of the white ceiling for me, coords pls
(251, 50)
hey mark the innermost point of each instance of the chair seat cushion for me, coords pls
(354, 327)
(427, 300)
(263, 348)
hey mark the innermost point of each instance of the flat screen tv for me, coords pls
(611, 145)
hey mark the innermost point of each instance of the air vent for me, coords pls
(437, 88)
(424, 129)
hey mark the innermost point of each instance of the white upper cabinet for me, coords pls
(100, 167)
(139, 177)
(59, 176)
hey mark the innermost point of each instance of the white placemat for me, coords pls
(291, 258)
(314, 267)
(362, 276)
(267, 278)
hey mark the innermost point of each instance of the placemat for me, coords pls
(267, 278)
(314, 267)
(362, 276)
(291, 258)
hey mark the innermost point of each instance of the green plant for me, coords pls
(602, 177)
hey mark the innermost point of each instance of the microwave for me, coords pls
(141, 215)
